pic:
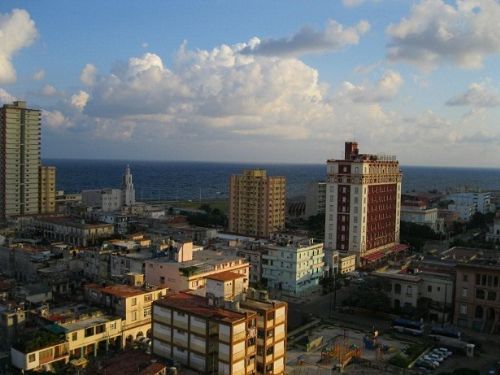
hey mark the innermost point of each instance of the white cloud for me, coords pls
(55, 120)
(88, 74)
(219, 91)
(5, 97)
(333, 38)
(39, 75)
(462, 33)
(478, 95)
(385, 89)
(48, 90)
(79, 100)
(17, 31)
(352, 3)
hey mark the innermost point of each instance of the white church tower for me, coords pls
(128, 192)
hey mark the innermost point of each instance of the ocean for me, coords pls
(175, 180)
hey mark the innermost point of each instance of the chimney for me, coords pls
(351, 150)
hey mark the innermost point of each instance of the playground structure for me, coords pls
(342, 352)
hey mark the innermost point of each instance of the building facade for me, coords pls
(420, 214)
(256, 203)
(363, 204)
(315, 199)
(47, 189)
(477, 296)
(494, 234)
(480, 200)
(19, 159)
(106, 200)
(293, 266)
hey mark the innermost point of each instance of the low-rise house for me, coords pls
(347, 263)
(71, 230)
(39, 352)
(430, 291)
(132, 304)
(182, 268)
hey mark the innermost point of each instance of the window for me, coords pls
(492, 296)
(134, 301)
(463, 309)
(409, 290)
(89, 332)
(147, 312)
(74, 336)
(465, 278)
(31, 357)
(464, 292)
(134, 315)
(397, 288)
(112, 326)
(429, 288)
(148, 297)
(480, 294)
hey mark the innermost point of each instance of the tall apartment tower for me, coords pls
(128, 191)
(19, 159)
(363, 199)
(47, 199)
(256, 203)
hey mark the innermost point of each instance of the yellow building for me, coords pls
(256, 203)
(227, 331)
(47, 199)
(132, 304)
(19, 159)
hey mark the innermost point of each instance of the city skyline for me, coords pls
(279, 82)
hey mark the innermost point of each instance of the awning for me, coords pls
(373, 256)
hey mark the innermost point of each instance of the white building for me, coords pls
(128, 192)
(480, 201)
(106, 200)
(406, 290)
(315, 199)
(423, 216)
(293, 266)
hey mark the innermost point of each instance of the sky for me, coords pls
(258, 81)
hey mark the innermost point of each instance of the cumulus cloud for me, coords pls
(55, 120)
(385, 89)
(220, 90)
(478, 95)
(39, 75)
(88, 74)
(79, 100)
(5, 97)
(17, 31)
(48, 90)
(332, 38)
(462, 33)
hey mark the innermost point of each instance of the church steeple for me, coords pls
(128, 192)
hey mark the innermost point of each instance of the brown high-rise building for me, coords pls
(47, 199)
(363, 201)
(256, 203)
(19, 160)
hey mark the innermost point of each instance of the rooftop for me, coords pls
(225, 276)
(198, 305)
(134, 362)
(120, 290)
(71, 222)
(87, 322)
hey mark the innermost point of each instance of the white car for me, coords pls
(431, 360)
(440, 353)
(436, 357)
(445, 351)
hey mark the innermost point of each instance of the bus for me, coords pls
(441, 332)
(412, 327)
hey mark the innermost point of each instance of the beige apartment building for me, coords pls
(132, 304)
(230, 330)
(19, 159)
(256, 203)
(47, 189)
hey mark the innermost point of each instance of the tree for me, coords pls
(371, 295)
